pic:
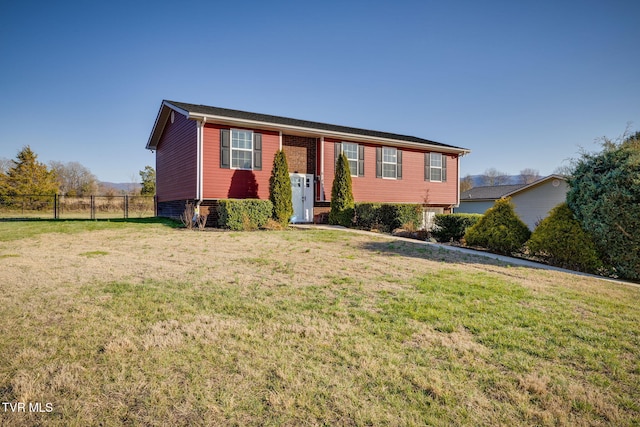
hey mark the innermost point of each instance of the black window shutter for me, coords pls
(378, 162)
(444, 168)
(399, 163)
(427, 166)
(257, 151)
(225, 148)
(337, 150)
(360, 160)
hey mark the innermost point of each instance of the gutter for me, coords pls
(334, 134)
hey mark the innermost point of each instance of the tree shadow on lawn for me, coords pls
(430, 252)
(438, 253)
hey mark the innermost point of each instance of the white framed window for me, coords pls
(435, 163)
(436, 166)
(389, 162)
(241, 149)
(354, 154)
(351, 151)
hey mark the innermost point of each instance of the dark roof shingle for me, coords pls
(266, 118)
(493, 192)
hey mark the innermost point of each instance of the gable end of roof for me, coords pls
(495, 192)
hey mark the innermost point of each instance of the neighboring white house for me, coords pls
(532, 201)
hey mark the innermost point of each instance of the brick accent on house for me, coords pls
(210, 209)
(321, 212)
(301, 153)
(175, 208)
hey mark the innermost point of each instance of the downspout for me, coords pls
(457, 182)
(200, 168)
(322, 168)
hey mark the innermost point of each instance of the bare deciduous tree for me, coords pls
(466, 183)
(188, 216)
(564, 170)
(492, 176)
(528, 175)
(5, 164)
(74, 178)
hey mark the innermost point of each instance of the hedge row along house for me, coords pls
(205, 154)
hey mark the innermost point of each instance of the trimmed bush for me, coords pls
(367, 216)
(342, 202)
(500, 230)
(244, 214)
(401, 216)
(561, 241)
(452, 227)
(387, 217)
(280, 189)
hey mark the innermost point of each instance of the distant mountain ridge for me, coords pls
(479, 180)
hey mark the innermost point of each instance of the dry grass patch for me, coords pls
(161, 327)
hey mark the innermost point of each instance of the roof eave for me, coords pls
(167, 106)
(535, 183)
(160, 123)
(484, 199)
(232, 121)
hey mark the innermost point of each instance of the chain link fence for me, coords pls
(76, 207)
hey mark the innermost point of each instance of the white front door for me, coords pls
(302, 197)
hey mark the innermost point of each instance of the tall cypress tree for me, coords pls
(280, 189)
(342, 203)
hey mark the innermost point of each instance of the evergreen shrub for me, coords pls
(452, 227)
(280, 189)
(560, 240)
(342, 203)
(387, 217)
(500, 230)
(604, 195)
(367, 216)
(244, 214)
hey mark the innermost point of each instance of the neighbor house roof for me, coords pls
(286, 124)
(495, 192)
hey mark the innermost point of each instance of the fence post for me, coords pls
(126, 206)
(55, 206)
(92, 206)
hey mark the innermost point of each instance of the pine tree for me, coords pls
(280, 189)
(148, 177)
(342, 203)
(28, 176)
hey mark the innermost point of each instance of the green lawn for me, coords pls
(139, 323)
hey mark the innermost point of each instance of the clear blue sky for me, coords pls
(522, 84)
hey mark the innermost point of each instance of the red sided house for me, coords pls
(204, 154)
